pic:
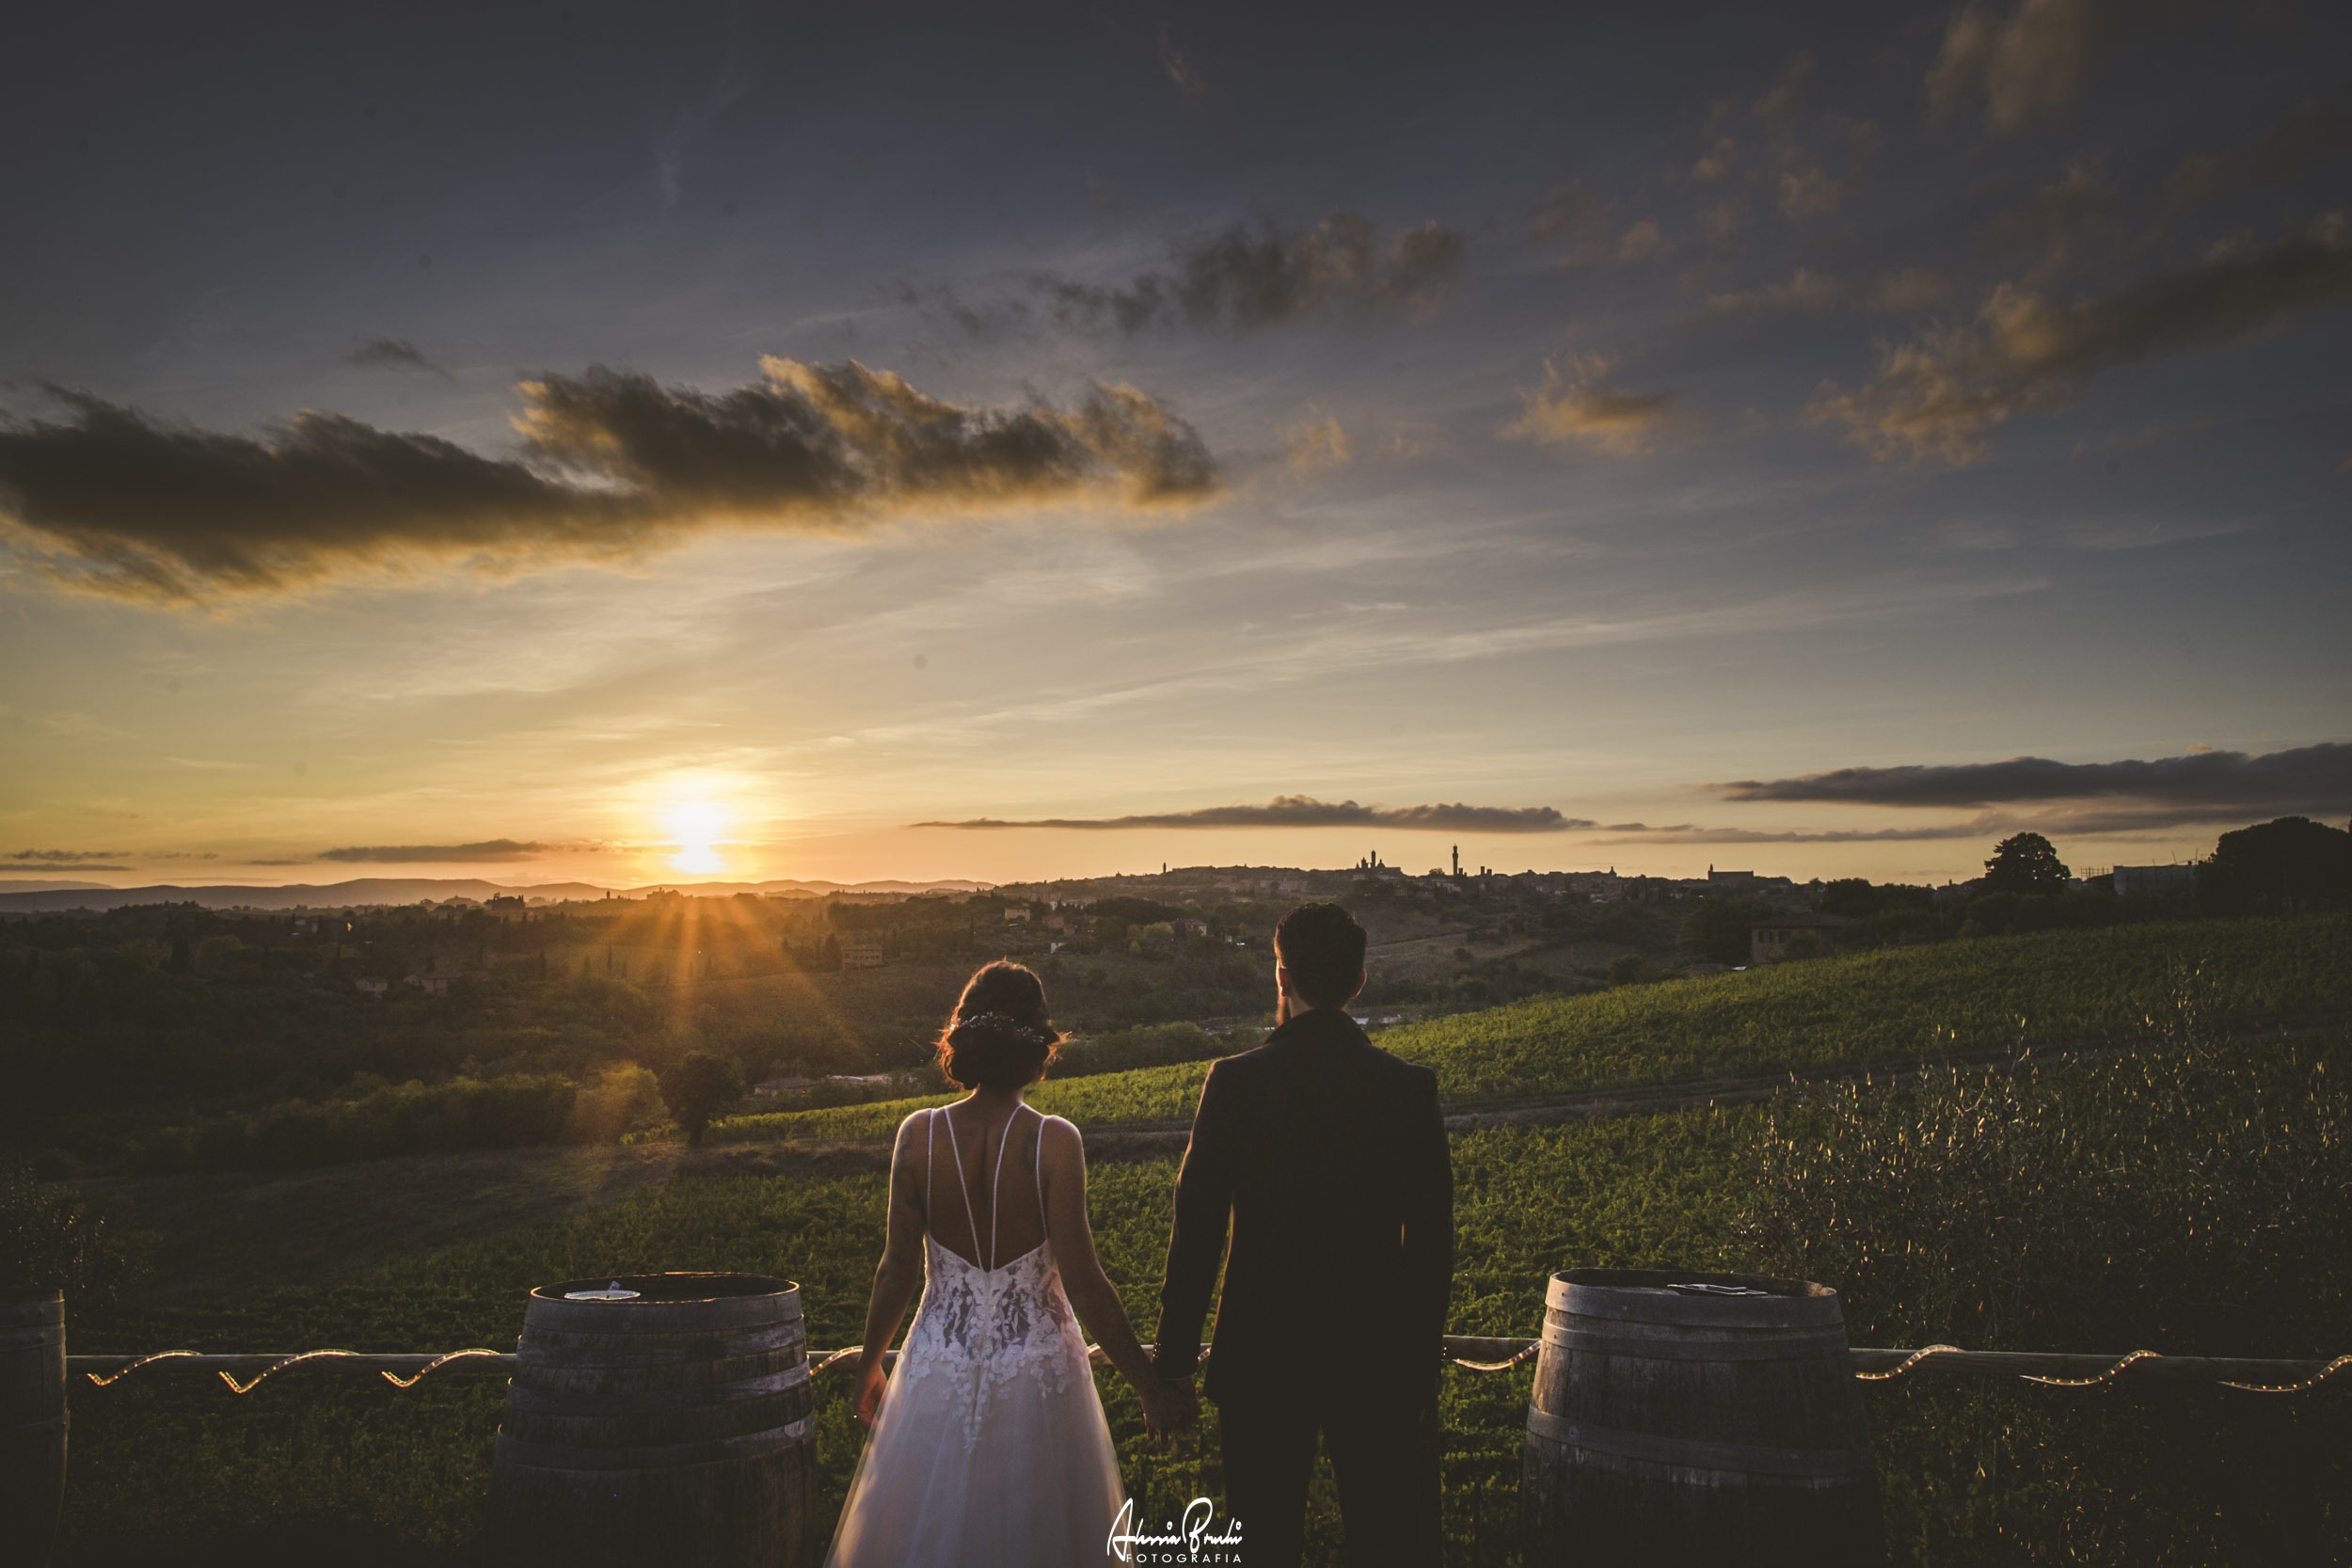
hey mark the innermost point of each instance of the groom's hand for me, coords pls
(1168, 1407)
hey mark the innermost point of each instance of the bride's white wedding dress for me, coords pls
(990, 1447)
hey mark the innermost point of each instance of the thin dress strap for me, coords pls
(1037, 1165)
(971, 1223)
(994, 1183)
(930, 1129)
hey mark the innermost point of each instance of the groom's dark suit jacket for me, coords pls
(1329, 1156)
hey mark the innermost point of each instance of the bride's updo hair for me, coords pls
(999, 1038)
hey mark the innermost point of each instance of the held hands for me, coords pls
(1168, 1407)
(871, 1380)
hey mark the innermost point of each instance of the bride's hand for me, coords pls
(871, 1380)
(1168, 1407)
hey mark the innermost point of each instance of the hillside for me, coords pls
(1899, 1005)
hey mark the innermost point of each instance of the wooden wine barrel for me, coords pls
(32, 1423)
(673, 1427)
(1669, 1421)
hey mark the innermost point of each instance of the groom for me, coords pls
(1328, 1155)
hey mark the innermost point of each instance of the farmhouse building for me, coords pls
(1769, 941)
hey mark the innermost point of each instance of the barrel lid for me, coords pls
(1686, 1296)
(662, 1301)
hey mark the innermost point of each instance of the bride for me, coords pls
(989, 1445)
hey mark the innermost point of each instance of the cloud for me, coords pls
(2309, 133)
(1942, 393)
(2032, 63)
(1908, 289)
(1644, 241)
(407, 854)
(1246, 280)
(1804, 289)
(1179, 68)
(1781, 100)
(1804, 190)
(1572, 218)
(614, 464)
(1579, 406)
(1318, 444)
(393, 353)
(1716, 163)
(2201, 786)
(2050, 223)
(84, 860)
(1300, 811)
(1905, 291)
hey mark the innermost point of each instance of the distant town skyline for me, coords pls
(718, 442)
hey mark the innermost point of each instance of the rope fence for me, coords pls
(242, 1374)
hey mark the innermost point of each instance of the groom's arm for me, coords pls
(1196, 1241)
(1429, 1221)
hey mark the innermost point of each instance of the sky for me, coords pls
(636, 443)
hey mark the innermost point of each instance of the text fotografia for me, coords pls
(1195, 1538)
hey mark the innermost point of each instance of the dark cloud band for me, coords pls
(2306, 779)
(411, 854)
(614, 464)
(1300, 811)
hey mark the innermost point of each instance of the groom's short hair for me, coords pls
(1323, 948)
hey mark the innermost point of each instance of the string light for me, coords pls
(821, 1362)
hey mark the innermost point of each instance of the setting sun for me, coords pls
(694, 828)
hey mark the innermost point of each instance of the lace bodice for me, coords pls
(983, 1329)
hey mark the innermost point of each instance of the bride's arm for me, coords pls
(1063, 1171)
(900, 1274)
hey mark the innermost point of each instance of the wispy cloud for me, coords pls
(393, 353)
(1246, 279)
(2027, 65)
(1577, 404)
(1179, 68)
(1301, 811)
(1317, 444)
(80, 859)
(1572, 220)
(1943, 395)
(615, 465)
(407, 854)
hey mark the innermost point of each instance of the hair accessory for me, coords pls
(1000, 1023)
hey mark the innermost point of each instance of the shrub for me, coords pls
(51, 1239)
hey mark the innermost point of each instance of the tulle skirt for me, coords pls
(1021, 1474)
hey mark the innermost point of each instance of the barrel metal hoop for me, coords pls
(1682, 1347)
(31, 1339)
(547, 1456)
(1685, 1453)
(522, 1395)
(22, 1430)
(1656, 1307)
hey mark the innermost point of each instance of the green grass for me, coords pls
(164, 1456)
(1972, 1472)
(1904, 1004)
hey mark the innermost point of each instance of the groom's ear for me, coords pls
(1363, 977)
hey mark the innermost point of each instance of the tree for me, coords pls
(2284, 866)
(698, 1087)
(1717, 931)
(1852, 897)
(2026, 863)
